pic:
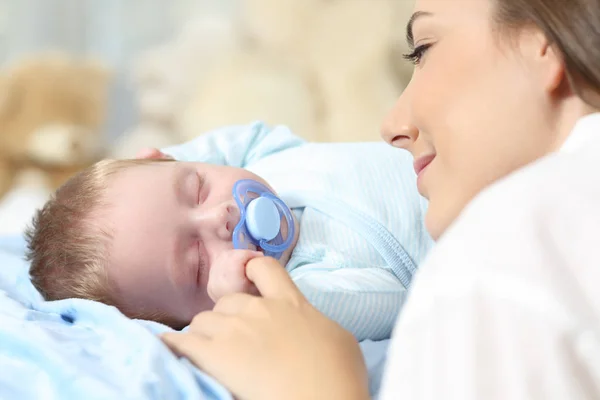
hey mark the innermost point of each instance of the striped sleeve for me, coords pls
(365, 301)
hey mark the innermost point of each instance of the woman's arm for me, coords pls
(276, 346)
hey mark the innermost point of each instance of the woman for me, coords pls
(501, 117)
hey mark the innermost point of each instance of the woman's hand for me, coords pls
(276, 346)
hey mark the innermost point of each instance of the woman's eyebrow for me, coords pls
(409, 27)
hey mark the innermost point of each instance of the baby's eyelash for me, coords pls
(417, 54)
(200, 263)
(200, 185)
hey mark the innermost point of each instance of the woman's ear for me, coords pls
(555, 71)
(545, 61)
(151, 153)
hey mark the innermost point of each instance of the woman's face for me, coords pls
(473, 109)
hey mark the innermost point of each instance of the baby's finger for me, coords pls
(148, 153)
(245, 255)
(152, 153)
(272, 280)
(239, 256)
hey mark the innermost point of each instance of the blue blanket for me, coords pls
(74, 349)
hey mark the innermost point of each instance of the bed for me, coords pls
(74, 349)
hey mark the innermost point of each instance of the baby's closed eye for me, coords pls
(201, 263)
(201, 192)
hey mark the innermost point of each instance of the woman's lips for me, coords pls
(420, 165)
(422, 162)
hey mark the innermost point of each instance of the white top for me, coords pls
(507, 306)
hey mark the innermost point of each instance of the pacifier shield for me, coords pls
(262, 219)
(262, 214)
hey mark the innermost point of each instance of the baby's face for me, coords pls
(170, 222)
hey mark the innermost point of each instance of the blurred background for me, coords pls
(82, 80)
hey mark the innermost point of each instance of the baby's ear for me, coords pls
(151, 153)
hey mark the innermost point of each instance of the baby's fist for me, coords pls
(228, 274)
(151, 153)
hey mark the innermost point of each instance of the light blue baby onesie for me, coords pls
(336, 263)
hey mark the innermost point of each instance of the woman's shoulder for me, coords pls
(523, 254)
(546, 185)
(534, 233)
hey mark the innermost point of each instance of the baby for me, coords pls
(154, 237)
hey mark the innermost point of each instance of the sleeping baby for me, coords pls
(163, 240)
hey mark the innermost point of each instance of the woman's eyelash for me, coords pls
(417, 54)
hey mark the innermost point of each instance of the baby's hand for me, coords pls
(228, 274)
(152, 153)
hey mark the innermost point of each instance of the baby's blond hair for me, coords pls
(67, 248)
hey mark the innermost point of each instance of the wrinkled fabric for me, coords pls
(76, 349)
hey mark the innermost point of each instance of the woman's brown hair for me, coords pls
(573, 27)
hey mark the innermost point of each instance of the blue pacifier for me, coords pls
(261, 213)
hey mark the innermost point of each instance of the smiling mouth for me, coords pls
(422, 162)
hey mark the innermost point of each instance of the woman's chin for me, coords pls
(433, 225)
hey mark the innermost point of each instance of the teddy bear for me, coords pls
(246, 87)
(163, 78)
(52, 110)
(329, 69)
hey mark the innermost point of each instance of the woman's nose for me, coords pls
(397, 129)
(217, 221)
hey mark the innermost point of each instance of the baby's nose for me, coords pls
(231, 217)
(219, 221)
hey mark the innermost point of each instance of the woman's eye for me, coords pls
(417, 55)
